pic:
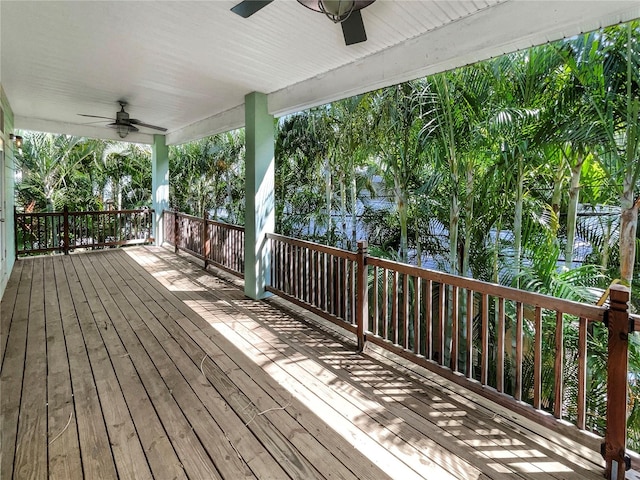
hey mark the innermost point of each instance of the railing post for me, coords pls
(362, 300)
(206, 246)
(617, 383)
(176, 231)
(15, 230)
(65, 227)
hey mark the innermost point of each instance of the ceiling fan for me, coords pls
(123, 124)
(345, 12)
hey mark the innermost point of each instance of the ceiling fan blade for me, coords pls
(248, 7)
(94, 116)
(353, 29)
(134, 121)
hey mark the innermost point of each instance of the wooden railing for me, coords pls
(525, 351)
(319, 278)
(216, 243)
(37, 233)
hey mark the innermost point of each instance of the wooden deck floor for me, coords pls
(136, 364)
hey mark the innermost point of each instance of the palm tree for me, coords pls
(401, 118)
(606, 65)
(54, 172)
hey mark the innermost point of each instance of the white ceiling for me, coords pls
(187, 65)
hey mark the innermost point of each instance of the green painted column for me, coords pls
(159, 183)
(260, 196)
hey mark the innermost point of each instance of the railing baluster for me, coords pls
(428, 320)
(559, 367)
(582, 373)
(376, 289)
(500, 346)
(537, 359)
(454, 329)
(385, 304)
(405, 310)
(519, 350)
(416, 315)
(469, 346)
(484, 369)
(442, 309)
(343, 288)
(394, 307)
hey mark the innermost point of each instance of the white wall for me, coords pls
(7, 246)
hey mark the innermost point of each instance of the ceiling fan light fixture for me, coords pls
(123, 131)
(337, 10)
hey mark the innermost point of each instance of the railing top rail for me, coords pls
(39, 214)
(91, 212)
(113, 212)
(190, 217)
(635, 319)
(591, 312)
(230, 226)
(337, 252)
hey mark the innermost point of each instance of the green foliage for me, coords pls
(58, 171)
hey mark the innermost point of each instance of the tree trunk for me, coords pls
(517, 220)
(328, 197)
(496, 253)
(556, 197)
(468, 220)
(343, 211)
(572, 210)
(628, 227)
(401, 202)
(354, 217)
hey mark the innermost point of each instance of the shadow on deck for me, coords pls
(137, 364)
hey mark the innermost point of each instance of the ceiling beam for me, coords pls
(503, 28)
(90, 131)
(223, 122)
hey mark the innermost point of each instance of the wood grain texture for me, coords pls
(209, 384)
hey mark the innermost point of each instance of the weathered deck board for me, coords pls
(192, 454)
(137, 364)
(129, 458)
(97, 458)
(6, 308)
(13, 372)
(275, 439)
(161, 455)
(415, 408)
(64, 447)
(31, 451)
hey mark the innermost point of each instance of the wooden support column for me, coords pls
(617, 386)
(206, 244)
(362, 296)
(176, 231)
(159, 184)
(65, 227)
(260, 196)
